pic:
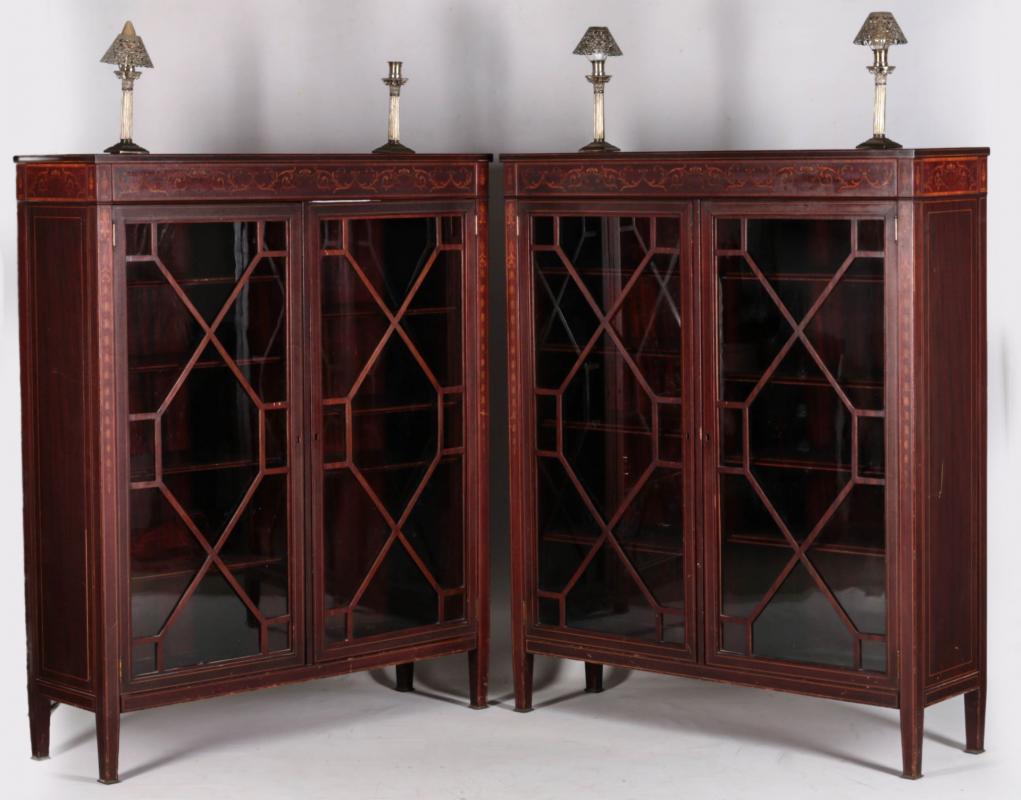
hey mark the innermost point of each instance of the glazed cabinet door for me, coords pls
(796, 395)
(391, 398)
(606, 409)
(209, 358)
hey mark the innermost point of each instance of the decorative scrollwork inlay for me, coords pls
(229, 180)
(751, 177)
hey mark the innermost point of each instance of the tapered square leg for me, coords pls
(478, 678)
(406, 677)
(975, 721)
(523, 682)
(39, 709)
(911, 727)
(593, 678)
(108, 737)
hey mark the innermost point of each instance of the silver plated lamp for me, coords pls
(129, 54)
(597, 45)
(395, 80)
(879, 32)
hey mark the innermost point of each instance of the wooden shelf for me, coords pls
(798, 381)
(801, 464)
(759, 540)
(163, 365)
(662, 547)
(217, 281)
(603, 351)
(176, 568)
(807, 277)
(376, 311)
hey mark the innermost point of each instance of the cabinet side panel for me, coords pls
(58, 509)
(953, 448)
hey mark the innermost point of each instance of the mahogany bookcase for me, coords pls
(747, 421)
(254, 390)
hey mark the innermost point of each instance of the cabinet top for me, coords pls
(101, 178)
(853, 174)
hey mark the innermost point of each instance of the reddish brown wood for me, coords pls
(39, 709)
(593, 677)
(932, 203)
(75, 326)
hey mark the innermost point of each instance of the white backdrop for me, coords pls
(489, 76)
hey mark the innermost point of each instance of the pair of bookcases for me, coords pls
(747, 421)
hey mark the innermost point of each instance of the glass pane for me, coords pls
(815, 447)
(607, 427)
(606, 599)
(205, 440)
(393, 506)
(607, 393)
(564, 321)
(567, 530)
(398, 597)
(354, 533)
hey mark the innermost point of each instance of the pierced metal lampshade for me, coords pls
(127, 50)
(880, 31)
(129, 54)
(597, 45)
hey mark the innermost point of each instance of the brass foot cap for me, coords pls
(523, 710)
(973, 751)
(40, 758)
(910, 777)
(106, 782)
(478, 707)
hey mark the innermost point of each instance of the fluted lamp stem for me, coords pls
(394, 80)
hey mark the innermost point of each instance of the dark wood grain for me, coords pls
(74, 218)
(933, 207)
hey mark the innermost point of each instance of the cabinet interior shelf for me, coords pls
(164, 365)
(761, 540)
(226, 280)
(798, 464)
(802, 277)
(375, 312)
(793, 380)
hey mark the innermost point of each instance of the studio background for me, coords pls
(488, 76)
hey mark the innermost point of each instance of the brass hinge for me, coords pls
(476, 224)
(895, 231)
(114, 235)
(517, 226)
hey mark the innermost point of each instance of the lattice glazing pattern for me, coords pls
(801, 451)
(607, 336)
(208, 418)
(392, 405)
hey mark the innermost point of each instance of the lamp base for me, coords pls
(125, 146)
(393, 147)
(879, 143)
(599, 147)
